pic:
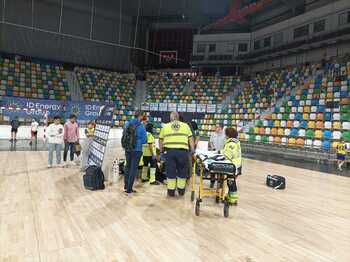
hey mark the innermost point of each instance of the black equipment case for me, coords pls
(277, 182)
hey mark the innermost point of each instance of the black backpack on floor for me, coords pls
(94, 178)
(277, 182)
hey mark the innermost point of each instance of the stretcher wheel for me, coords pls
(226, 209)
(196, 210)
(192, 196)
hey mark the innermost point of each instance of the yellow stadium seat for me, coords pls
(318, 134)
(311, 124)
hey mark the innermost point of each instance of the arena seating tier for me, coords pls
(111, 87)
(318, 115)
(32, 79)
(182, 88)
(315, 111)
(257, 95)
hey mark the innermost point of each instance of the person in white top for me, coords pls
(217, 138)
(34, 132)
(54, 136)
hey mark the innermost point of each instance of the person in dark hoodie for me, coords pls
(14, 129)
(134, 155)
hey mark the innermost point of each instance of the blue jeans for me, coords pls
(132, 164)
(68, 147)
(58, 149)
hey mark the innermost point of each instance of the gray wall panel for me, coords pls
(105, 29)
(47, 14)
(19, 11)
(1, 9)
(127, 34)
(75, 21)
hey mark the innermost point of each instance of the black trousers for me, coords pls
(176, 163)
(68, 147)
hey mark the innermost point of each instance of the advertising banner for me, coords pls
(145, 107)
(211, 108)
(153, 106)
(182, 107)
(172, 107)
(31, 108)
(83, 110)
(163, 107)
(37, 108)
(201, 108)
(191, 108)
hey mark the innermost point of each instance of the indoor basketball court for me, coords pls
(161, 130)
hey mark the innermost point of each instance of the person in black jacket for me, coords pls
(14, 129)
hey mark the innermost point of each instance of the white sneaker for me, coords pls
(49, 166)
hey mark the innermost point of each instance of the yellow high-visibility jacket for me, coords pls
(232, 152)
(150, 141)
(175, 135)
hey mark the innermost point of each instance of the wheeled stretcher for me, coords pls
(215, 168)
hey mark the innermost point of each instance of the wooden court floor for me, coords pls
(46, 215)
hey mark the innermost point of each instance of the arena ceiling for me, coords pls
(201, 13)
(197, 13)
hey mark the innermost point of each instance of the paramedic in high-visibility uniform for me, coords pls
(175, 140)
(149, 157)
(232, 152)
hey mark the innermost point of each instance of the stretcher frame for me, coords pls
(219, 192)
